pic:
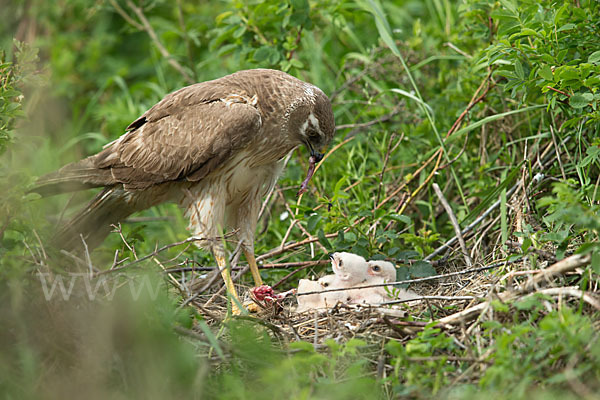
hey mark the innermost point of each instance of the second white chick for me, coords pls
(310, 301)
(381, 272)
(377, 272)
(352, 270)
(349, 271)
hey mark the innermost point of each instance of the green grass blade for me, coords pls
(413, 97)
(212, 339)
(489, 119)
(503, 216)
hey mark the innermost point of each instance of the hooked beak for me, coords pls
(317, 155)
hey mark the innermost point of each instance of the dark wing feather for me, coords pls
(188, 134)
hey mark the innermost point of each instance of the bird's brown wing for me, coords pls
(186, 135)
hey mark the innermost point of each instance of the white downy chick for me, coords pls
(376, 272)
(318, 301)
(327, 280)
(365, 273)
(309, 301)
(382, 272)
(349, 269)
(352, 270)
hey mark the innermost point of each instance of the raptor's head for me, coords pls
(311, 121)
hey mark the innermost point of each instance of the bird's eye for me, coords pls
(340, 263)
(313, 135)
(325, 284)
(376, 268)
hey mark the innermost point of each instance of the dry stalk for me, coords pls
(454, 222)
(560, 268)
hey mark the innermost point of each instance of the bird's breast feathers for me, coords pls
(238, 181)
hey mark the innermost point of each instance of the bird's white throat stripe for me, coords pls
(303, 128)
(314, 122)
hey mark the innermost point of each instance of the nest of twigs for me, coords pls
(456, 300)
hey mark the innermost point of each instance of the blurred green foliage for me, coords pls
(127, 348)
(103, 63)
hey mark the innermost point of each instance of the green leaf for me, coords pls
(31, 197)
(401, 218)
(274, 57)
(313, 220)
(566, 27)
(383, 26)
(422, 269)
(323, 239)
(338, 186)
(239, 32)
(402, 274)
(593, 154)
(594, 58)
(546, 72)
(350, 237)
(497, 305)
(302, 346)
(527, 303)
(296, 63)
(587, 247)
(264, 53)
(510, 5)
(519, 70)
(301, 13)
(300, 4)
(353, 345)
(527, 32)
(578, 101)
(526, 244)
(561, 55)
(222, 16)
(595, 262)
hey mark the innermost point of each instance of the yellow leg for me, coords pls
(225, 273)
(253, 266)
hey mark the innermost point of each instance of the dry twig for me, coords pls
(454, 222)
(561, 267)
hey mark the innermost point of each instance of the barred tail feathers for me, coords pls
(72, 177)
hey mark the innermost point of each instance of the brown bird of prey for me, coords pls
(215, 148)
